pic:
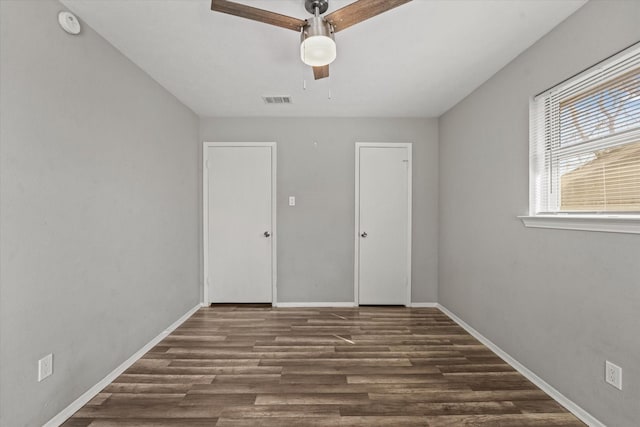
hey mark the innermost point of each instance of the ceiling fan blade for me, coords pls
(321, 72)
(359, 11)
(256, 14)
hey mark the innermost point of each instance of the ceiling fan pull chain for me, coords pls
(303, 68)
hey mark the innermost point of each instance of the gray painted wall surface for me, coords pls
(315, 238)
(99, 210)
(560, 302)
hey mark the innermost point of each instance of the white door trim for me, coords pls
(356, 268)
(205, 213)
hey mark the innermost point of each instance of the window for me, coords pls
(585, 143)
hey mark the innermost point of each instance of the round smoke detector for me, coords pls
(69, 22)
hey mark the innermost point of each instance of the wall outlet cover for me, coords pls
(613, 374)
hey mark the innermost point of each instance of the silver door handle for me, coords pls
(364, 234)
(267, 234)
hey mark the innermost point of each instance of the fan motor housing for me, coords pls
(317, 27)
(321, 5)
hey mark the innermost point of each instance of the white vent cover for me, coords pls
(285, 99)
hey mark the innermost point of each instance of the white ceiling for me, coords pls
(417, 60)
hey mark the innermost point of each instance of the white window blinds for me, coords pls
(585, 141)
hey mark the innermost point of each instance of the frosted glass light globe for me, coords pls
(317, 51)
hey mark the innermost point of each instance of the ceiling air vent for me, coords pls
(277, 99)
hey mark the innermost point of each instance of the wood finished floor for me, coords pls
(367, 366)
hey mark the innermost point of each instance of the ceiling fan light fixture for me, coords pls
(317, 47)
(317, 51)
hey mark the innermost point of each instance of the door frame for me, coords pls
(205, 213)
(356, 268)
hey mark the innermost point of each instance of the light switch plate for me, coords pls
(45, 367)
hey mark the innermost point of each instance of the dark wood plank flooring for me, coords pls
(369, 366)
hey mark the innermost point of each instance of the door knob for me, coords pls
(364, 234)
(267, 234)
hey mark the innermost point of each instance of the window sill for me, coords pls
(606, 223)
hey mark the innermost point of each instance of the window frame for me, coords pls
(542, 159)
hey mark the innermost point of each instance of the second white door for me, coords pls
(240, 223)
(383, 206)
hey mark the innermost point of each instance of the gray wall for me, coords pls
(99, 210)
(560, 302)
(315, 238)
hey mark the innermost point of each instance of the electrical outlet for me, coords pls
(613, 375)
(45, 367)
(292, 200)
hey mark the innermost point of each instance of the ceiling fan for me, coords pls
(317, 45)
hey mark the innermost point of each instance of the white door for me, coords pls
(239, 241)
(383, 221)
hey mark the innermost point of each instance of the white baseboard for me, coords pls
(314, 304)
(344, 304)
(572, 407)
(67, 412)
